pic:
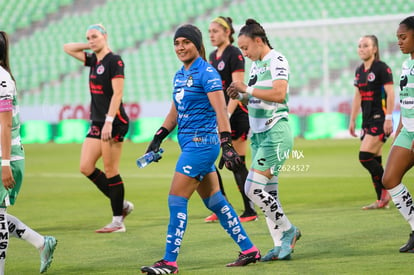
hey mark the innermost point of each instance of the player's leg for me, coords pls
(4, 238)
(240, 175)
(269, 152)
(90, 153)
(370, 149)
(400, 160)
(182, 187)
(213, 217)
(111, 155)
(215, 201)
(275, 232)
(45, 244)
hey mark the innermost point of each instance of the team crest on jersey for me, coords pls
(100, 69)
(371, 77)
(190, 81)
(221, 65)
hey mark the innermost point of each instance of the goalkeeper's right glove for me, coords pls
(157, 139)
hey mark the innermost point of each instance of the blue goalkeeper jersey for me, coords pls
(196, 119)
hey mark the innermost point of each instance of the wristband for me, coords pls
(249, 90)
(388, 117)
(162, 133)
(5, 162)
(225, 137)
(109, 118)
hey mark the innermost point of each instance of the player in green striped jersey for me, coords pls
(271, 141)
(401, 156)
(12, 168)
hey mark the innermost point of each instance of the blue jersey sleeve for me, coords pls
(211, 80)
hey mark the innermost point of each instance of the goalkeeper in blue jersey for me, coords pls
(12, 168)
(198, 110)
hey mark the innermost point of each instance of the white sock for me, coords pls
(404, 202)
(275, 231)
(20, 230)
(117, 219)
(4, 239)
(256, 186)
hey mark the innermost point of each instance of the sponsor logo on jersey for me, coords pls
(407, 103)
(100, 69)
(221, 65)
(3, 84)
(371, 77)
(187, 169)
(179, 95)
(190, 81)
(403, 81)
(269, 121)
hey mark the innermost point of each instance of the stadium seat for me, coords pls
(36, 131)
(325, 125)
(71, 131)
(144, 128)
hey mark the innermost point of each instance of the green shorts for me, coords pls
(404, 139)
(270, 149)
(17, 167)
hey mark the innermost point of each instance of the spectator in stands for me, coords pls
(198, 109)
(109, 122)
(374, 94)
(12, 167)
(401, 157)
(267, 94)
(229, 62)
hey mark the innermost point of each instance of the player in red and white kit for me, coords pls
(109, 122)
(374, 94)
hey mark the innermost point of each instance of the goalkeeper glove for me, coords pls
(229, 156)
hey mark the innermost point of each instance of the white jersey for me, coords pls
(8, 102)
(263, 115)
(407, 95)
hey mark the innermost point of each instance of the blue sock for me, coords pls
(228, 220)
(176, 227)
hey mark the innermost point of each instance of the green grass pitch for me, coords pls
(322, 189)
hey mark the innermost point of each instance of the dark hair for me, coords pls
(193, 34)
(374, 40)
(253, 29)
(4, 52)
(409, 22)
(229, 26)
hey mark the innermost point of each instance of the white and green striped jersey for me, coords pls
(264, 114)
(8, 102)
(407, 95)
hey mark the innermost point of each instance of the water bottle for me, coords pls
(148, 158)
